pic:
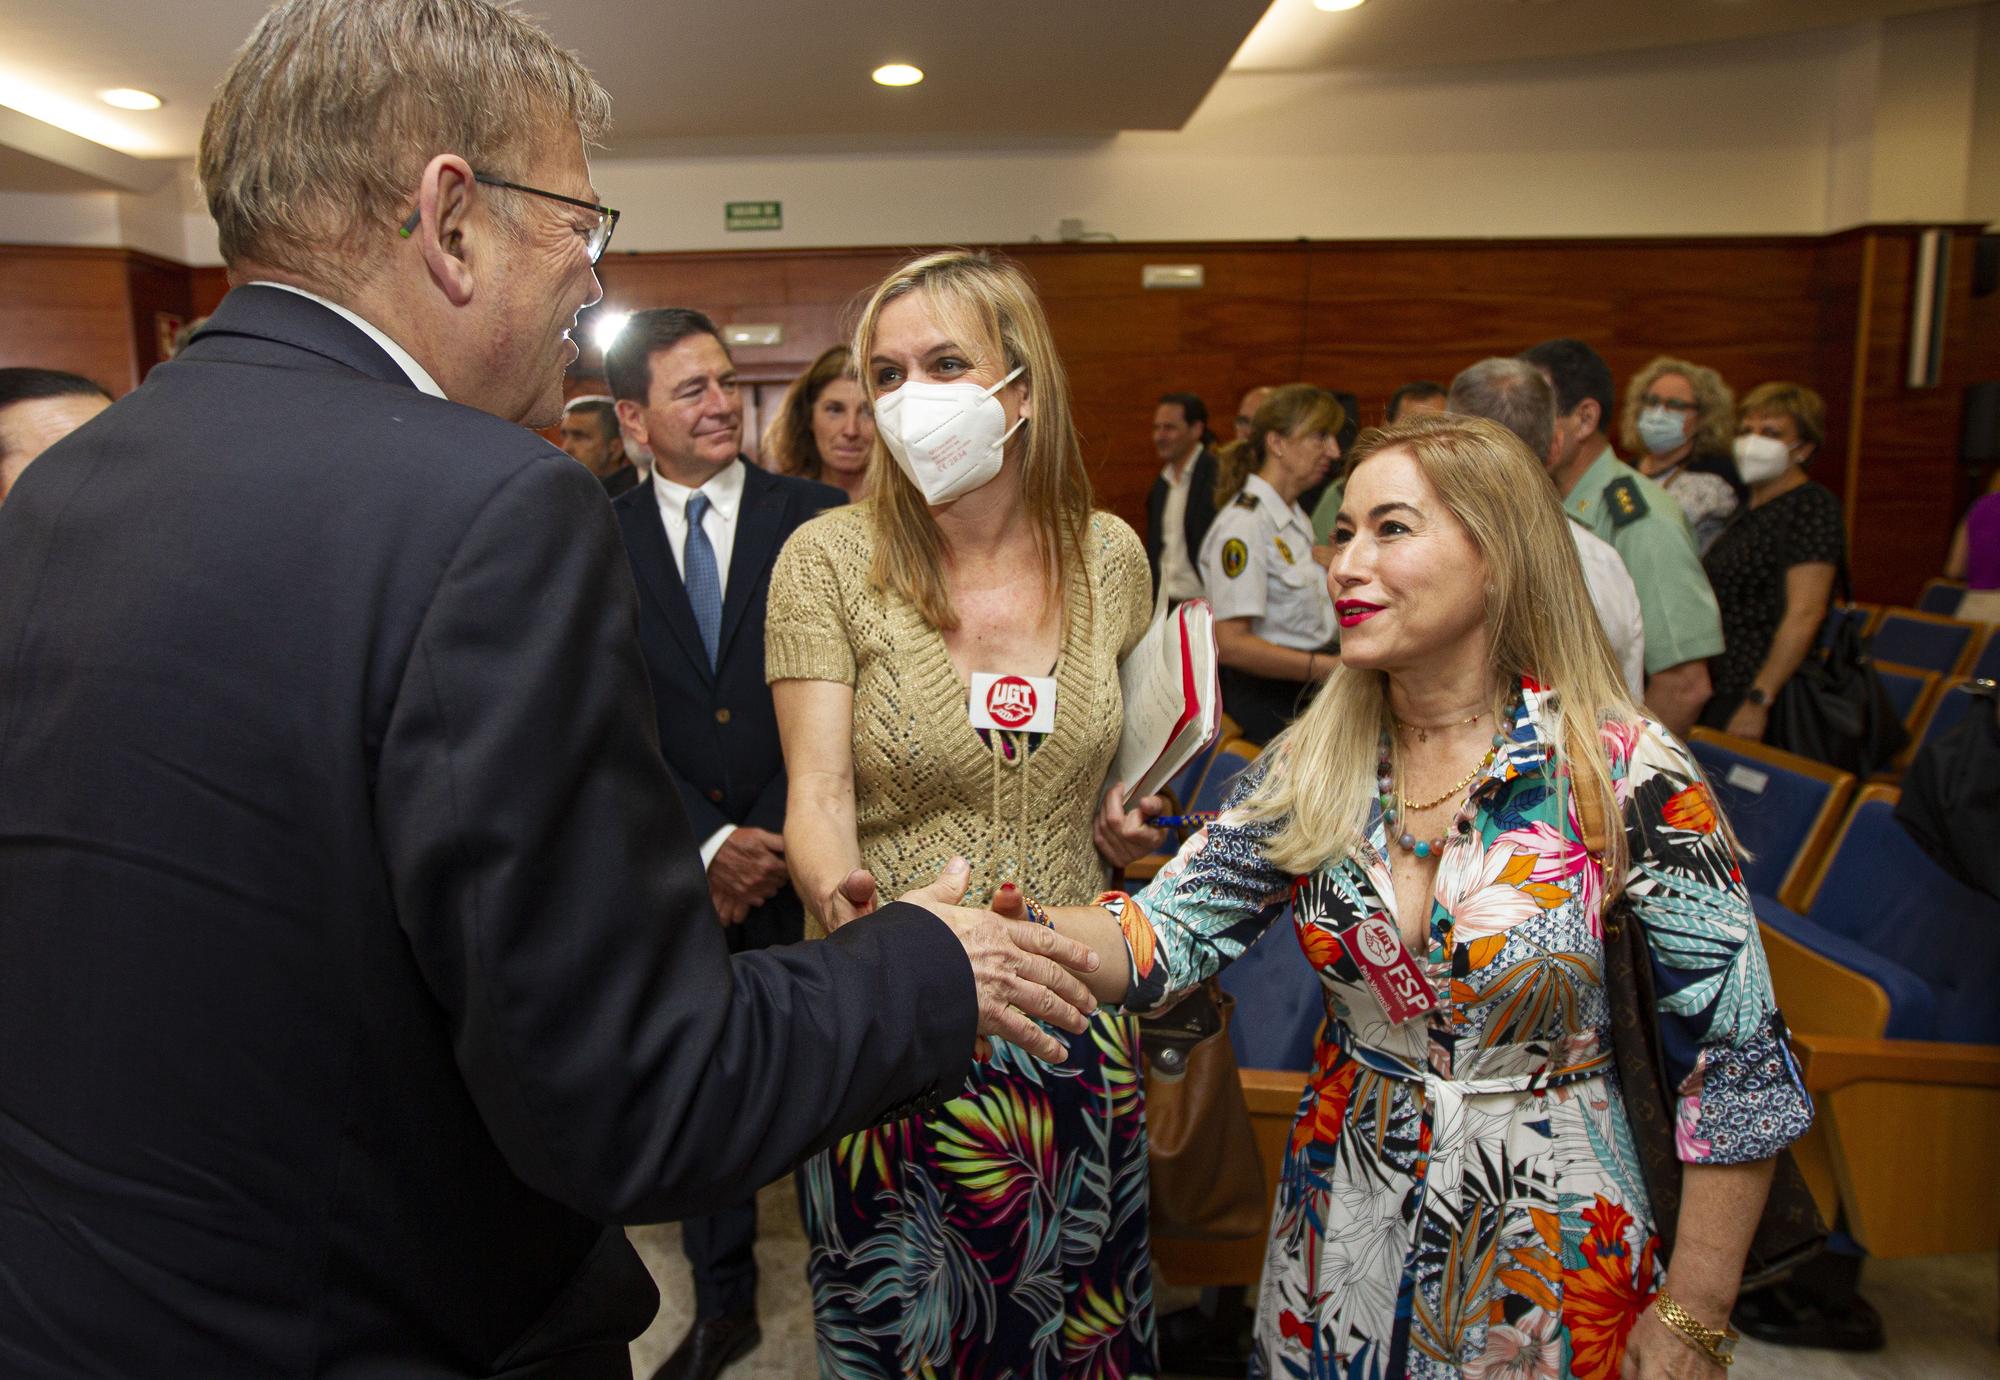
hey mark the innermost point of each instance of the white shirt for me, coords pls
(1178, 577)
(1616, 600)
(725, 498)
(404, 359)
(1257, 563)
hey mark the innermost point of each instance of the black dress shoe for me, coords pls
(710, 1345)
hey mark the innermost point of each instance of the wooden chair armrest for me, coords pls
(1273, 1092)
(1831, 1062)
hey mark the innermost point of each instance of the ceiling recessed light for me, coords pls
(897, 74)
(127, 98)
(1336, 6)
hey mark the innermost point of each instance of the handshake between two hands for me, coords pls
(1022, 971)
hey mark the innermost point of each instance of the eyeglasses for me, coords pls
(1671, 404)
(595, 243)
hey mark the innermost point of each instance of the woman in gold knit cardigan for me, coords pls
(916, 645)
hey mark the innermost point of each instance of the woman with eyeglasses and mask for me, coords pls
(944, 657)
(1773, 567)
(1680, 420)
(824, 428)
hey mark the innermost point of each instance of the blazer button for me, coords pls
(716, 796)
(722, 716)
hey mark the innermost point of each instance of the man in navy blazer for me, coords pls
(357, 969)
(703, 639)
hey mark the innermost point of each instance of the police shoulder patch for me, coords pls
(1234, 554)
(1627, 504)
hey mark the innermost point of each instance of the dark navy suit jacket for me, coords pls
(718, 731)
(356, 963)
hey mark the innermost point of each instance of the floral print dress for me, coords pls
(1460, 1196)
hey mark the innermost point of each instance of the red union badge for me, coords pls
(1016, 704)
(1391, 973)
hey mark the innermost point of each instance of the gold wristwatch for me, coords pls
(1719, 1347)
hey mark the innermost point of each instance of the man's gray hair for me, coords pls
(319, 136)
(1513, 393)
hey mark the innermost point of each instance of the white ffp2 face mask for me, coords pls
(1761, 458)
(949, 438)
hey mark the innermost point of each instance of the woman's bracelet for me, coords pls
(1719, 1347)
(1035, 911)
(1312, 660)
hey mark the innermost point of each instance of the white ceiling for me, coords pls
(1295, 37)
(762, 74)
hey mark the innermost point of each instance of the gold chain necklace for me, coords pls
(1424, 731)
(1411, 807)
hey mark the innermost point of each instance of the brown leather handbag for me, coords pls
(1790, 1232)
(1207, 1179)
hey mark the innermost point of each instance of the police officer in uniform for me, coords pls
(1274, 621)
(1644, 523)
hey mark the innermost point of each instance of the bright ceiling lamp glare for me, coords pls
(1336, 6)
(897, 74)
(129, 98)
(606, 327)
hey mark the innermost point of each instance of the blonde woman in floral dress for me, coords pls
(1461, 1196)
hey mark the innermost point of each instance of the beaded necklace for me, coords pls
(1398, 807)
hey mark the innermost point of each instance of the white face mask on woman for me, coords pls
(1760, 459)
(949, 438)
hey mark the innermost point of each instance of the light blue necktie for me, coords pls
(704, 587)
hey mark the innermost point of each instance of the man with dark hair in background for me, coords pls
(1411, 398)
(38, 407)
(591, 437)
(702, 538)
(1181, 504)
(1642, 521)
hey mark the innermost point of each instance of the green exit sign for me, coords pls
(753, 215)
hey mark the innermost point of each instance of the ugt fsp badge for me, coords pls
(1234, 554)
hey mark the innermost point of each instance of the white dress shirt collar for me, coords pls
(724, 493)
(404, 359)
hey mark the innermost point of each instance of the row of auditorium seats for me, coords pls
(1887, 968)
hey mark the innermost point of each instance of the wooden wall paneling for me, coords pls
(1836, 287)
(68, 309)
(206, 288)
(154, 288)
(1906, 485)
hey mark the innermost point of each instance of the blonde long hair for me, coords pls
(981, 301)
(1539, 623)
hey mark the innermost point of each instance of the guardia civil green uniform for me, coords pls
(1644, 523)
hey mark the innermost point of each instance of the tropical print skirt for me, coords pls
(1002, 1236)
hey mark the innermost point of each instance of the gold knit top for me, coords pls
(926, 785)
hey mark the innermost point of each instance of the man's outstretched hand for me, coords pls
(1023, 972)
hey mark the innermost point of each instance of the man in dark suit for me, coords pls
(702, 538)
(1181, 505)
(357, 967)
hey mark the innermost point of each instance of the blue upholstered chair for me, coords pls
(1941, 596)
(1784, 808)
(1925, 640)
(1986, 661)
(1909, 688)
(1280, 1001)
(1887, 973)
(1862, 615)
